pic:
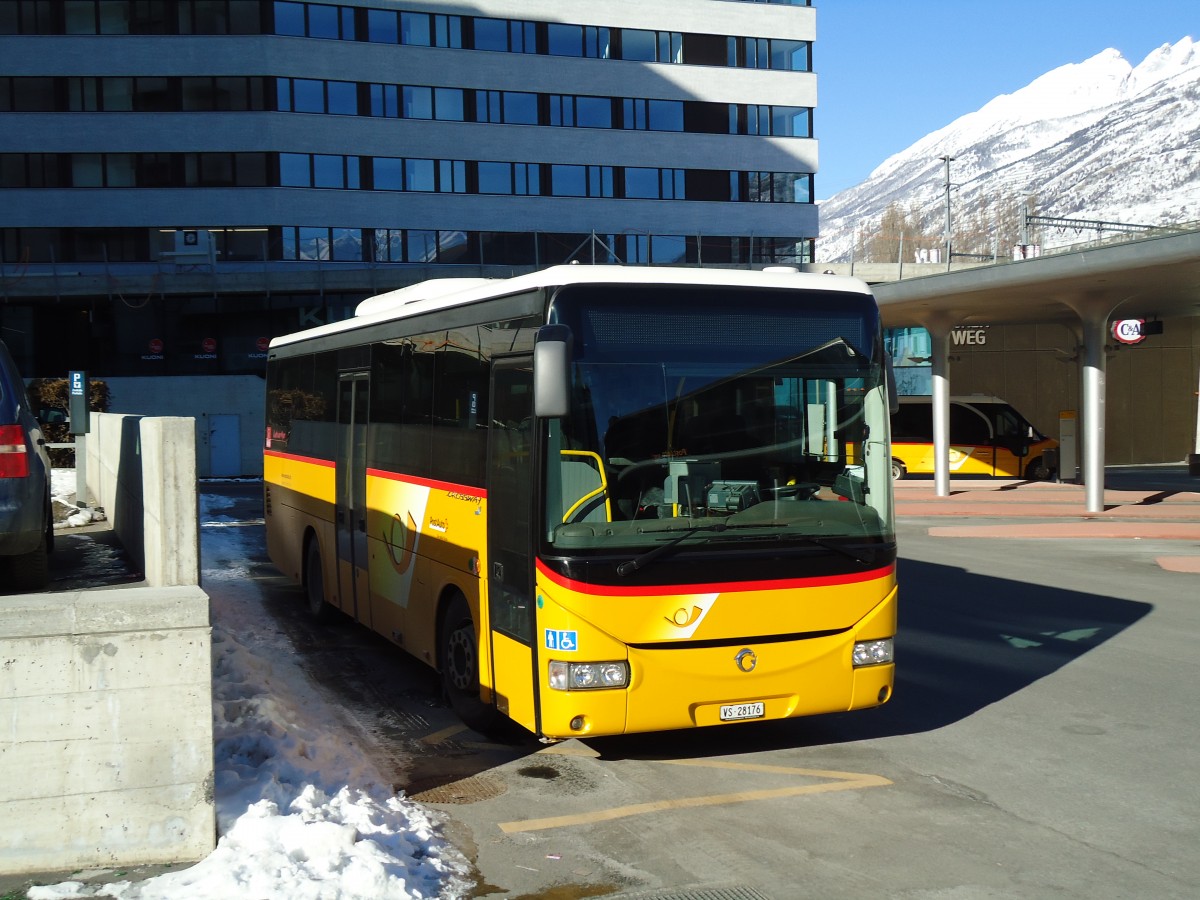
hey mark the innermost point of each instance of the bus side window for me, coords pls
(913, 422)
(967, 426)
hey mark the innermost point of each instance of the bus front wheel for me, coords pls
(899, 470)
(460, 666)
(1037, 470)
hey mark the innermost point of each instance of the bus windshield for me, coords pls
(716, 418)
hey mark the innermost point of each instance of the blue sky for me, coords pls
(889, 71)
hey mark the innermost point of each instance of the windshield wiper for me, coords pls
(649, 556)
(830, 545)
(786, 534)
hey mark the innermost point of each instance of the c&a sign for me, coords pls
(1128, 331)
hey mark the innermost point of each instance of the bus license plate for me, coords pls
(735, 711)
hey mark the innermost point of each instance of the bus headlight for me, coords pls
(572, 676)
(873, 653)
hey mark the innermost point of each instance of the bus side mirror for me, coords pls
(552, 371)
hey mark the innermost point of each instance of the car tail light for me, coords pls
(14, 459)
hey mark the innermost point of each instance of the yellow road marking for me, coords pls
(445, 734)
(838, 781)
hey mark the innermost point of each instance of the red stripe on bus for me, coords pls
(296, 458)
(715, 587)
(429, 483)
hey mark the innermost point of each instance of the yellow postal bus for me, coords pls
(600, 499)
(987, 438)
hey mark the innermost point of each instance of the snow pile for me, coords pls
(301, 813)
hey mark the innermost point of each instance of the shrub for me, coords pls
(51, 402)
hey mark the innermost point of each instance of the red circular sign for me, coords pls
(209, 345)
(263, 344)
(156, 345)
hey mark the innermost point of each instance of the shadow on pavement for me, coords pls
(965, 641)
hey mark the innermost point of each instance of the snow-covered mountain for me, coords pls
(1097, 140)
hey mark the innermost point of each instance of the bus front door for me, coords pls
(508, 627)
(350, 520)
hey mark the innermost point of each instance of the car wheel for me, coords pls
(898, 470)
(314, 583)
(459, 656)
(30, 571)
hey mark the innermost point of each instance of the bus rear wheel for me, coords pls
(459, 656)
(899, 470)
(314, 583)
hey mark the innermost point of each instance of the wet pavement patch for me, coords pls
(547, 773)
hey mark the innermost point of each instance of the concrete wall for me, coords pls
(106, 729)
(142, 471)
(228, 410)
(106, 733)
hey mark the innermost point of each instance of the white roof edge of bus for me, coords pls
(422, 290)
(442, 293)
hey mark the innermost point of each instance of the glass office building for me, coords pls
(182, 180)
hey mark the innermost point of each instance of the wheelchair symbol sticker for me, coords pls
(566, 641)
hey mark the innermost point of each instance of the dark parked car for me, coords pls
(26, 517)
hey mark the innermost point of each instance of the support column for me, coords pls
(1094, 395)
(939, 327)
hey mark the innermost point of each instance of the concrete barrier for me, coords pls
(142, 471)
(106, 733)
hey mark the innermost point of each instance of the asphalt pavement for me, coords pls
(1159, 505)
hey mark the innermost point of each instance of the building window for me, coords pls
(510, 107)
(385, 100)
(452, 176)
(308, 95)
(294, 170)
(654, 184)
(508, 178)
(289, 18)
(430, 30)
(387, 174)
(581, 112)
(418, 102)
(581, 181)
(323, 21)
(388, 245)
(448, 105)
(309, 243)
(420, 175)
(653, 115)
(651, 46)
(343, 98)
(590, 41)
(506, 35)
(32, 95)
(769, 53)
(315, 20)
(382, 26)
(329, 171)
(667, 249)
(420, 246)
